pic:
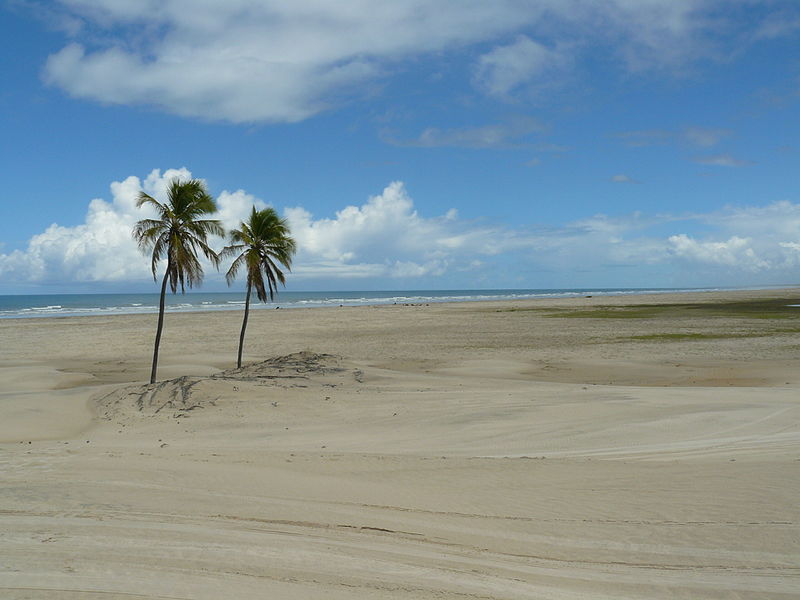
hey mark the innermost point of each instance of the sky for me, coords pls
(410, 144)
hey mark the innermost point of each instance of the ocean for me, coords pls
(71, 305)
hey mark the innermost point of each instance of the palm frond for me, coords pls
(147, 199)
(180, 232)
(266, 242)
(231, 251)
(237, 264)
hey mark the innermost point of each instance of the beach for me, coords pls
(613, 448)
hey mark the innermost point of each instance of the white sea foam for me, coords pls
(115, 304)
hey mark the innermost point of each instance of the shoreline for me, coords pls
(297, 300)
(530, 329)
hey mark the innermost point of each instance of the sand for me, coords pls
(588, 448)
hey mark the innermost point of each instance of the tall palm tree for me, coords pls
(262, 243)
(178, 234)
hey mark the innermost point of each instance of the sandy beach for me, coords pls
(613, 448)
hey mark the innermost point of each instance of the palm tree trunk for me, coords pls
(244, 325)
(160, 325)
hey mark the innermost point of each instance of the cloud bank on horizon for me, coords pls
(385, 239)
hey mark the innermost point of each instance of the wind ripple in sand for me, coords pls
(178, 556)
(439, 463)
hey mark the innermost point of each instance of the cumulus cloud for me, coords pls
(235, 206)
(750, 239)
(734, 252)
(383, 237)
(101, 249)
(276, 61)
(386, 239)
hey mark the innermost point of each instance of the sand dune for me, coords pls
(494, 450)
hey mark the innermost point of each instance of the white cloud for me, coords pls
(779, 24)
(622, 178)
(258, 60)
(734, 252)
(751, 239)
(656, 33)
(505, 68)
(101, 249)
(386, 239)
(779, 220)
(500, 135)
(703, 137)
(272, 60)
(792, 246)
(721, 160)
(233, 207)
(384, 236)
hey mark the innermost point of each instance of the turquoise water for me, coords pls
(69, 305)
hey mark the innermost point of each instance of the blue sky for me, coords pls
(411, 144)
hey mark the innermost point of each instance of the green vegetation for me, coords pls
(612, 312)
(260, 245)
(738, 320)
(682, 337)
(753, 309)
(787, 330)
(178, 234)
(523, 309)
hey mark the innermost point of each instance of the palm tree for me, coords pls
(262, 243)
(177, 235)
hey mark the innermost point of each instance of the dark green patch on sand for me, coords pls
(684, 337)
(753, 309)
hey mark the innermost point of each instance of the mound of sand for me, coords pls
(176, 398)
(300, 365)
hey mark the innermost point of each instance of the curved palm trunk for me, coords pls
(160, 326)
(244, 325)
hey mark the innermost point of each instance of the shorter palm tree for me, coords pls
(260, 245)
(178, 234)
